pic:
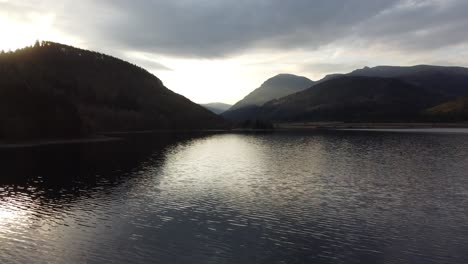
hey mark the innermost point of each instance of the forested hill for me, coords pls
(54, 90)
(352, 99)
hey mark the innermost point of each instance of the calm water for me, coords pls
(318, 197)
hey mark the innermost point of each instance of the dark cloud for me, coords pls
(218, 28)
(213, 28)
(418, 25)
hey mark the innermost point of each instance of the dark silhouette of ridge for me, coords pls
(378, 94)
(53, 90)
(274, 88)
(448, 81)
(353, 99)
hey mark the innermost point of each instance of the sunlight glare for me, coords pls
(7, 215)
(18, 34)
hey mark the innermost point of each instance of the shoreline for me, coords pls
(50, 142)
(342, 125)
(279, 127)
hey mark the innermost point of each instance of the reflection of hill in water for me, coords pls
(64, 170)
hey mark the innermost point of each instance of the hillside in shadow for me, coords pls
(52, 90)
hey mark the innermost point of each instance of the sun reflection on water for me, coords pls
(7, 215)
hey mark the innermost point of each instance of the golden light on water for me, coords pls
(15, 210)
(7, 215)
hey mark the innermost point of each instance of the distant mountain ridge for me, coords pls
(217, 108)
(274, 88)
(53, 90)
(383, 93)
(446, 80)
(352, 98)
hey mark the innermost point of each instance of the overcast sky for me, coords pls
(220, 50)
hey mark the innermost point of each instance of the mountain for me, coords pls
(448, 81)
(350, 98)
(274, 88)
(53, 90)
(455, 110)
(383, 93)
(217, 108)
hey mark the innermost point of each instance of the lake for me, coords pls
(286, 197)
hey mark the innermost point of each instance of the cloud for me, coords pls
(219, 28)
(206, 28)
(417, 25)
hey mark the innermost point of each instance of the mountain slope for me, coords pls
(351, 99)
(382, 93)
(274, 88)
(217, 108)
(453, 110)
(448, 81)
(54, 90)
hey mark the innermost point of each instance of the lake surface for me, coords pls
(305, 197)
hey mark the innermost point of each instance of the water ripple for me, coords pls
(337, 197)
